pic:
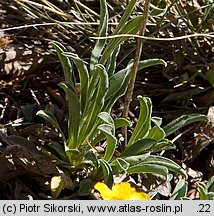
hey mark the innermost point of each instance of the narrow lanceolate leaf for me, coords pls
(156, 133)
(163, 145)
(111, 101)
(65, 61)
(157, 12)
(83, 75)
(85, 187)
(117, 81)
(106, 118)
(180, 190)
(210, 196)
(139, 147)
(202, 190)
(102, 31)
(49, 117)
(144, 121)
(126, 16)
(118, 84)
(110, 142)
(112, 62)
(74, 114)
(118, 123)
(132, 27)
(59, 149)
(114, 43)
(169, 164)
(210, 184)
(148, 168)
(107, 172)
(183, 121)
(121, 165)
(97, 104)
(132, 160)
(121, 122)
(151, 62)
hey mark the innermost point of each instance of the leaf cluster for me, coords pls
(89, 120)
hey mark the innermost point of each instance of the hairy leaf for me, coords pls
(183, 121)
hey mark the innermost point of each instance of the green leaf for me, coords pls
(126, 15)
(112, 62)
(57, 185)
(121, 165)
(144, 121)
(83, 75)
(74, 156)
(49, 117)
(107, 171)
(59, 149)
(157, 121)
(102, 31)
(74, 114)
(151, 62)
(139, 147)
(118, 123)
(106, 118)
(85, 187)
(163, 145)
(117, 81)
(148, 168)
(90, 125)
(98, 138)
(111, 101)
(65, 61)
(185, 198)
(210, 185)
(55, 158)
(157, 12)
(180, 190)
(121, 122)
(156, 133)
(132, 27)
(202, 190)
(210, 196)
(110, 142)
(134, 160)
(91, 156)
(183, 121)
(118, 84)
(209, 76)
(162, 161)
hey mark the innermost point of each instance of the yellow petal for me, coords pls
(139, 196)
(104, 190)
(122, 191)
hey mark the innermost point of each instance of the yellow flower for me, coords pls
(122, 191)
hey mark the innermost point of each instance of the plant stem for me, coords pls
(138, 51)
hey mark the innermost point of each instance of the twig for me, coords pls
(211, 35)
(138, 51)
(52, 23)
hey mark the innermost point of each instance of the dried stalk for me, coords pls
(138, 51)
